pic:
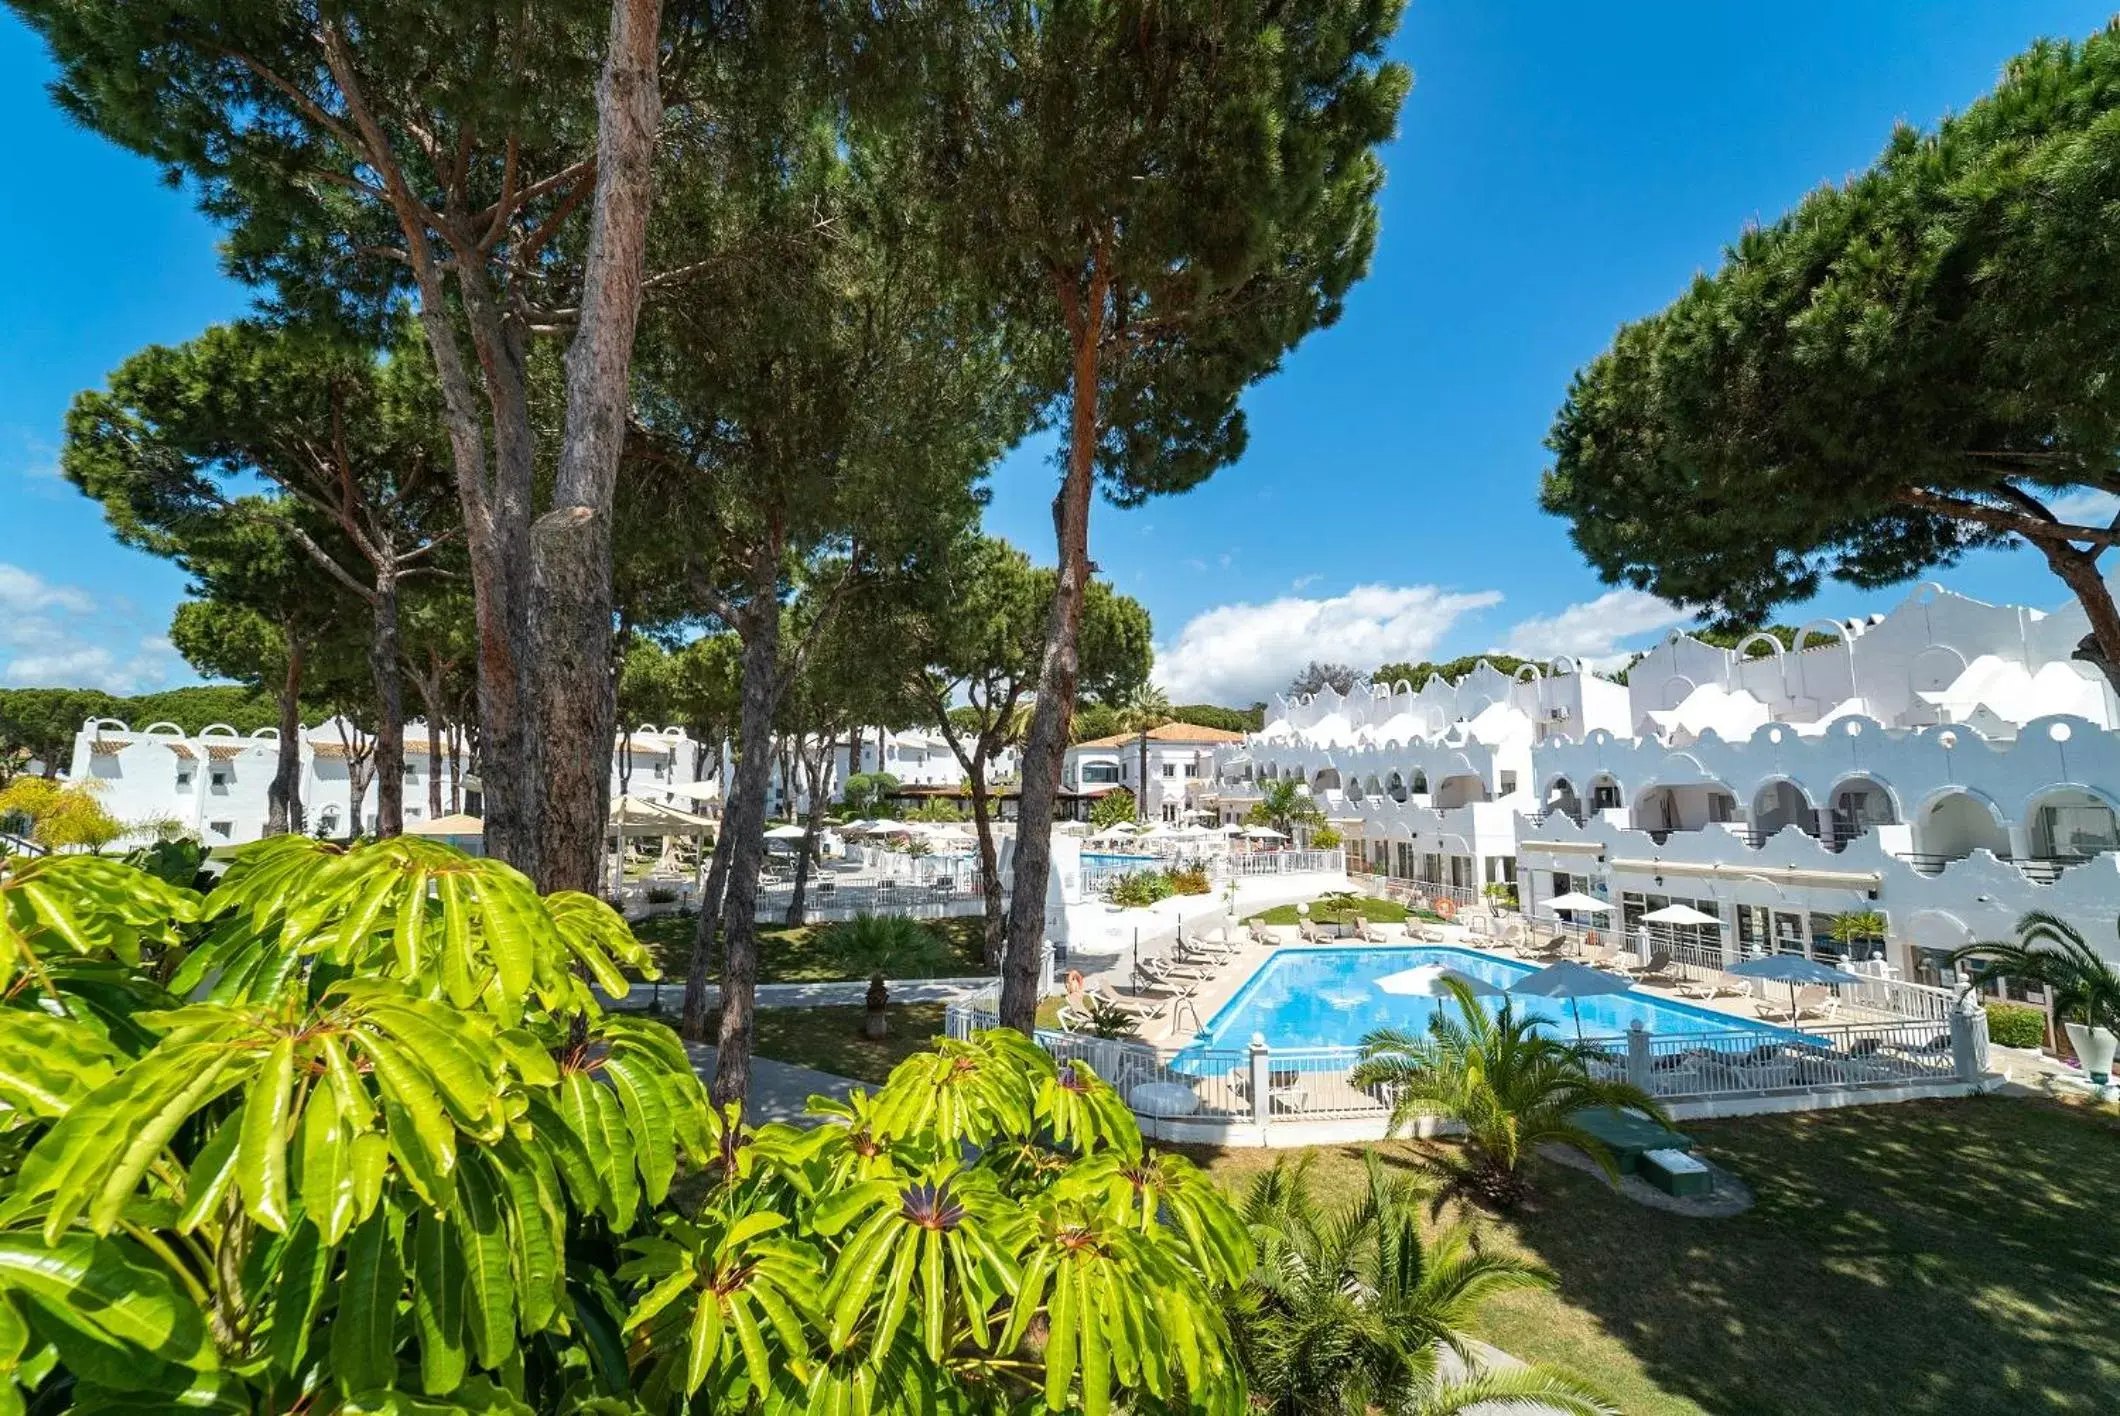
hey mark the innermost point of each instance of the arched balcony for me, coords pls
(1858, 806)
(1460, 789)
(1777, 806)
(1395, 788)
(1606, 794)
(1561, 797)
(2066, 826)
(1951, 825)
(1693, 806)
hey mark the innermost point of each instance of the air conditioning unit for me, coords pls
(1558, 715)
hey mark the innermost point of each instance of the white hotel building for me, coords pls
(214, 785)
(1947, 765)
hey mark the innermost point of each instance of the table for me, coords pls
(1164, 1099)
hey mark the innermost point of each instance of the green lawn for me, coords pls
(831, 1039)
(1374, 910)
(1945, 1257)
(802, 955)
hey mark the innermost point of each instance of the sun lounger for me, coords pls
(1813, 1000)
(1722, 985)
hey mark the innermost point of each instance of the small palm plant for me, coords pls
(1507, 1080)
(1348, 1310)
(2052, 952)
(883, 946)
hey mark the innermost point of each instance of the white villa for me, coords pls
(1181, 759)
(1948, 766)
(214, 785)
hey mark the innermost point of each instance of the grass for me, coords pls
(1939, 1257)
(802, 955)
(1374, 910)
(832, 1040)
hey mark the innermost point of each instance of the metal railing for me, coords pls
(1678, 1066)
(1249, 864)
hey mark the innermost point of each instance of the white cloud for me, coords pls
(1304, 582)
(2087, 507)
(1593, 630)
(1238, 654)
(58, 636)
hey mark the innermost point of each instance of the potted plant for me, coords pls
(2084, 988)
(1859, 927)
(1501, 895)
(882, 945)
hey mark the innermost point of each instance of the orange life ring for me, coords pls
(1446, 908)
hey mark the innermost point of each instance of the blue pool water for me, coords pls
(1108, 858)
(1328, 998)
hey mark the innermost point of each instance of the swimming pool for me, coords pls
(1112, 858)
(1328, 998)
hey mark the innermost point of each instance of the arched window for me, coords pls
(1561, 797)
(2068, 825)
(1858, 805)
(1779, 805)
(1952, 825)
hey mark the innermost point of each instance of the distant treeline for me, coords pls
(38, 724)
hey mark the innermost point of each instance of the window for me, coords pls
(223, 829)
(218, 779)
(184, 778)
(1170, 769)
(1192, 769)
(1508, 783)
(412, 771)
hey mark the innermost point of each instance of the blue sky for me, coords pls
(1561, 168)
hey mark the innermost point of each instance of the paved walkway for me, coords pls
(840, 993)
(779, 1090)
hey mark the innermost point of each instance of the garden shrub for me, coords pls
(1190, 880)
(2015, 1025)
(1138, 888)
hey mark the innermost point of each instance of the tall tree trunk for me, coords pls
(571, 546)
(283, 799)
(812, 823)
(1053, 713)
(705, 933)
(434, 767)
(456, 766)
(2079, 571)
(427, 683)
(989, 863)
(745, 823)
(390, 711)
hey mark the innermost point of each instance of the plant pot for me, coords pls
(876, 1023)
(2094, 1048)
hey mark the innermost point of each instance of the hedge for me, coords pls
(2014, 1025)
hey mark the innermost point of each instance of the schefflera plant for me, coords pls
(349, 1133)
(985, 1233)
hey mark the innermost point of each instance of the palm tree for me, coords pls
(1144, 708)
(883, 945)
(1284, 805)
(2050, 951)
(1512, 1085)
(1347, 1310)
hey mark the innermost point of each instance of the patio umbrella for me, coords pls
(1681, 914)
(1427, 980)
(1792, 969)
(1577, 900)
(1263, 833)
(786, 833)
(1570, 980)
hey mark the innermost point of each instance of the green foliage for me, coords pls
(1337, 907)
(2015, 1025)
(1137, 889)
(1189, 880)
(1451, 670)
(940, 810)
(1367, 907)
(370, 1128)
(40, 723)
(1501, 893)
(883, 947)
(1114, 808)
(1504, 1078)
(1859, 927)
(1903, 369)
(1107, 1019)
(1348, 1308)
(60, 817)
(1094, 721)
(2051, 952)
(1208, 715)
(1325, 838)
(1317, 676)
(1283, 805)
(866, 792)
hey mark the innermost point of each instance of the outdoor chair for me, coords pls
(1659, 969)
(1811, 1000)
(1169, 975)
(1722, 985)
(1284, 1090)
(1147, 1010)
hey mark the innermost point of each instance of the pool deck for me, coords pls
(1171, 1035)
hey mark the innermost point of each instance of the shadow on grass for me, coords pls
(1949, 1257)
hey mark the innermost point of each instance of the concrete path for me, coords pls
(840, 994)
(779, 1090)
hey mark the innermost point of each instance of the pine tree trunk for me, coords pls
(283, 799)
(705, 932)
(2079, 571)
(390, 710)
(989, 863)
(434, 764)
(745, 823)
(456, 766)
(1045, 748)
(571, 545)
(813, 822)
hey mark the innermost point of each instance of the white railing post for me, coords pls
(1261, 1081)
(1969, 1039)
(1638, 1042)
